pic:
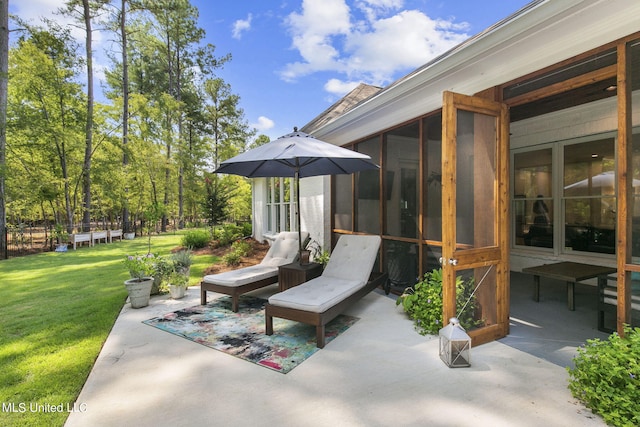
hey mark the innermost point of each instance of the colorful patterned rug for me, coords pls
(242, 334)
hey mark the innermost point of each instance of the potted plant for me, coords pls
(61, 237)
(177, 283)
(182, 261)
(162, 268)
(139, 285)
(320, 255)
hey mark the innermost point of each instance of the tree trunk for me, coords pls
(167, 178)
(181, 199)
(4, 70)
(86, 182)
(125, 110)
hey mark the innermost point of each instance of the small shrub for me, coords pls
(177, 279)
(606, 377)
(232, 258)
(162, 268)
(227, 234)
(182, 260)
(242, 247)
(196, 239)
(423, 303)
(59, 234)
(247, 229)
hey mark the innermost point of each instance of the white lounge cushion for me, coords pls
(284, 250)
(316, 295)
(242, 276)
(347, 271)
(353, 258)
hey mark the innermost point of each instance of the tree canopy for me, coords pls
(165, 122)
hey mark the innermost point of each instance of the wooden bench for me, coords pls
(96, 236)
(608, 302)
(79, 238)
(116, 234)
(570, 272)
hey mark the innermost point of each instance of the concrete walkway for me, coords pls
(380, 372)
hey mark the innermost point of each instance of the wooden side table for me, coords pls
(294, 274)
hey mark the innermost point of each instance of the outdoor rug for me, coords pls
(242, 334)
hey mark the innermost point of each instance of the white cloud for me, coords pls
(403, 41)
(370, 43)
(313, 34)
(372, 8)
(388, 4)
(240, 26)
(338, 87)
(263, 124)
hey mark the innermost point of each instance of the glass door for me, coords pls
(475, 220)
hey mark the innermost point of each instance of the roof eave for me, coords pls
(475, 64)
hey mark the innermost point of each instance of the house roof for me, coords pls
(360, 93)
(542, 33)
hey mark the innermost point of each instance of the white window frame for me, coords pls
(561, 199)
(557, 167)
(275, 216)
(554, 220)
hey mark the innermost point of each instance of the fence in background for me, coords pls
(26, 239)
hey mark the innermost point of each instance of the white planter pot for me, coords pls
(177, 292)
(139, 291)
(129, 236)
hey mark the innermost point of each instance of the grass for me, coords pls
(56, 311)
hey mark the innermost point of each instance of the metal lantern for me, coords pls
(455, 345)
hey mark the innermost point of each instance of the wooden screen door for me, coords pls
(475, 218)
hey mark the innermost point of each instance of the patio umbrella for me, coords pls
(602, 180)
(296, 155)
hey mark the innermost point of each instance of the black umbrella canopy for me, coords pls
(299, 152)
(297, 155)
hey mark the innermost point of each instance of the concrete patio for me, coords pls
(380, 372)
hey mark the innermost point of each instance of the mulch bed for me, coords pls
(258, 252)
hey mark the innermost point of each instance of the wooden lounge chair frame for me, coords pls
(236, 291)
(233, 291)
(319, 320)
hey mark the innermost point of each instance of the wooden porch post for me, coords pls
(625, 197)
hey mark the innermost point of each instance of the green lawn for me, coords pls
(56, 311)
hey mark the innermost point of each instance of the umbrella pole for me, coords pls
(297, 183)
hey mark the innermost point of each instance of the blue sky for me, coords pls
(294, 58)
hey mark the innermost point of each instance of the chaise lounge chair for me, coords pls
(284, 250)
(346, 278)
